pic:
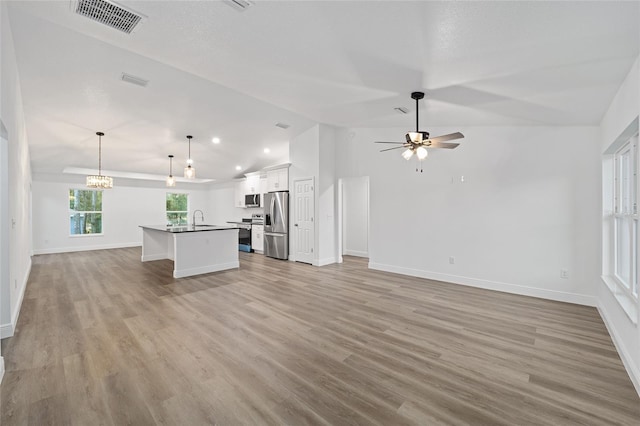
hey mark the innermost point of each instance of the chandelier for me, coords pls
(99, 181)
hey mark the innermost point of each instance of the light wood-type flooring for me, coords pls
(106, 339)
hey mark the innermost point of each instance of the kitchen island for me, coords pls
(194, 249)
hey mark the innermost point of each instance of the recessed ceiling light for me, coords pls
(283, 125)
(215, 140)
(238, 168)
(267, 150)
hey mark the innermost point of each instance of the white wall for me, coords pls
(304, 152)
(5, 280)
(326, 196)
(623, 111)
(19, 197)
(355, 216)
(221, 208)
(312, 155)
(125, 207)
(526, 210)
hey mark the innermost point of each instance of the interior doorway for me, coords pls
(353, 228)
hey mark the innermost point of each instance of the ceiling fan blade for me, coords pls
(399, 143)
(389, 149)
(443, 145)
(449, 137)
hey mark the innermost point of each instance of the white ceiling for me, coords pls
(215, 71)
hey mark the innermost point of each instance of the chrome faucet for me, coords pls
(193, 222)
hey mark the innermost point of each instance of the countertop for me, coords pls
(189, 228)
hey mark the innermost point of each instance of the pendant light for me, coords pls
(171, 181)
(189, 171)
(98, 181)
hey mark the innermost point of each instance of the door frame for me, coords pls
(341, 216)
(292, 214)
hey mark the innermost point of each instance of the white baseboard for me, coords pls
(1, 368)
(560, 296)
(152, 257)
(205, 269)
(325, 261)
(86, 248)
(356, 253)
(632, 369)
(7, 330)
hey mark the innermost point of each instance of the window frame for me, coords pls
(74, 212)
(186, 212)
(625, 213)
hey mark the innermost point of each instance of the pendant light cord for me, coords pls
(99, 155)
(100, 134)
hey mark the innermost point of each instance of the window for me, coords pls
(85, 212)
(177, 209)
(625, 231)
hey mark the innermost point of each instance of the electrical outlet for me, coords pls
(452, 260)
(564, 273)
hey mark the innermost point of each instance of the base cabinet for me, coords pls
(257, 238)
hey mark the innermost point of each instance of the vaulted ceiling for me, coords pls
(215, 71)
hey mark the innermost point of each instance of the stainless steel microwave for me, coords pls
(252, 200)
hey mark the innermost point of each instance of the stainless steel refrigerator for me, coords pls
(276, 224)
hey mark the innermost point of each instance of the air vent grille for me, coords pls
(240, 5)
(134, 80)
(108, 13)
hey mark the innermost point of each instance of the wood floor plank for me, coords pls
(106, 339)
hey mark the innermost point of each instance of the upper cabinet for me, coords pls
(263, 189)
(240, 191)
(252, 184)
(278, 180)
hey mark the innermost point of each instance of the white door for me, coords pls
(303, 225)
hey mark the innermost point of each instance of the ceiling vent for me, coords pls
(240, 5)
(134, 80)
(282, 125)
(108, 13)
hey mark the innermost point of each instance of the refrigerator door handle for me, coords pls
(274, 234)
(273, 202)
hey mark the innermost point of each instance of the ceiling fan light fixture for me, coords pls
(417, 142)
(422, 153)
(415, 137)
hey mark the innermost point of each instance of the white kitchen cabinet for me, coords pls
(252, 184)
(240, 188)
(263, 189)
(278, 180)
(257, 238)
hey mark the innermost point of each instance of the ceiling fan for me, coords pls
(417, 142)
